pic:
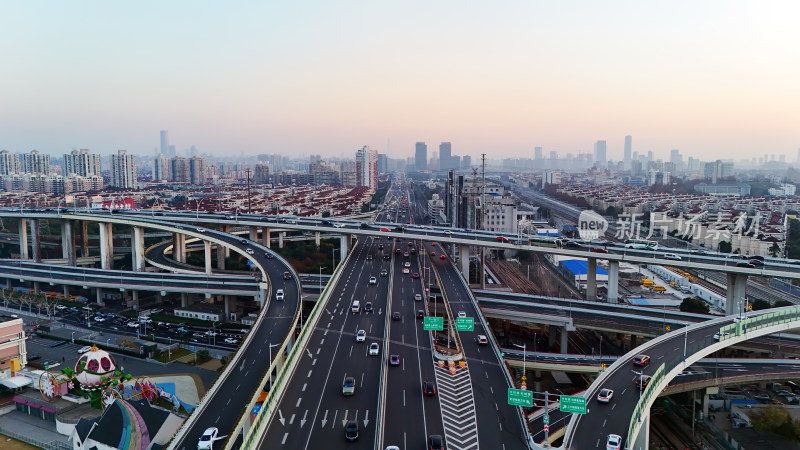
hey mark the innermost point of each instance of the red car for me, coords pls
(502, 239)
(433, 253)
(599, 250)
(385, 229)
(433, 244)
(398, 251)
(410, 244)
(416, 275)
(442, 257)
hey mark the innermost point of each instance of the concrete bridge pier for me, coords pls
(734, 297)
(66, 292)
(134, 300)
(220, 257)
(36, 248)
(253, 234)
(106, 246)
(23, 238)
(265, 237)
(228, 303)
(225, 250)
(84, 238)
(551, 336)
(98, 292)
(564, 344)
(67, 243)
(316, 239)
(464, 257)
(184, 300)
(344, 246)
(179, 247)
(137, 249)
(613, 281)
(591, 279)
(207, 256)
(537, 380)
(281, 235)
(36, 288)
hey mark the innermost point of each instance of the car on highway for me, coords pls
(361, 336)
(406, 264)
(482, 340)
(442, 256)
(368, 307)
(416, 275)
(405, 255)
(279, 294)
(338, 225)
(384, 272)
(406, 270)
(672, 256)
(604, 396)
(386, 257)
(351, 431)
(201, 230)
(433, 244)
(373, 349)
(398, 250)
(719, 335)
(599, 250)
(59, 307)
(435, 442)
(433, 254)
(462, 314)
(231, 341)
(396, 316)
(206, 441)
(613, 442)
(370, 258)
(373, 280)
(429, 388)
(243, 241)
(84, 349)
(99, 319)
(417, 297)
(641, 360)
(502, 239)
(349, 386)
(394, 360)
(268, 255)
(287, 276)
(571, 244)
(420, 314)
(249, 251)
(643, 380)
(748, 265)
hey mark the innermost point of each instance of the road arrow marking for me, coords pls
(303, 420)
(325, 419)
(281, 419)
(344, 421)
(366, 419)
(309, 353)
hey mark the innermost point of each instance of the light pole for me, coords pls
(320, 283)
(523, 384)
(73, 337)
(685, 338)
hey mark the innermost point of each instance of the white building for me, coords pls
(35, 162)
(123, 170)
(367, 167)
(82, 163)
(785, 190)
(436, 210)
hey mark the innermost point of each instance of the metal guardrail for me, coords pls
(646, 395)
(736, 329)
(283, 377)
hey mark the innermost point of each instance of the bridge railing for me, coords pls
(647, 394)
(284, 376)
(733, 330)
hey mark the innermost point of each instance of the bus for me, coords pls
(544, 241)
(641, 244)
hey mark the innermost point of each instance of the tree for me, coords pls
(725, 247)
(770, 418)
(759, 304)
(782, 303)
(694, 305)
(775, 250)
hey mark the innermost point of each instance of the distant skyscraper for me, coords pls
(161, 168)
(7, 166)
(367, 167)
(466, 161)
(675, 157)
(650, 156)
(421, 156)
(35, 162)
(82, 163)
(445, 153)
(627, 154)
(180, 171)
(600, 153)
(165, 143)
(798, 154)
(261, 173)
(172, 151)
(537, 152)
(383, 163)
(198, 170)
(123, 170)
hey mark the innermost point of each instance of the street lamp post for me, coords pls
(523, 384)
(73, 337)
(685, 338)
(320, 282)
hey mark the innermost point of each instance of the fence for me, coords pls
(733, 330)
(52, 445)
(785, 287)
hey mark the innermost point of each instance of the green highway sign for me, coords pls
(465, 323)
(546, 419)
(573, 404)
(433, 323)
(520, 397)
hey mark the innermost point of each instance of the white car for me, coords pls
(99, 319)
(61, 307)
(133, 324)
(231, 341)
(279, 294)
(207, 439)
(361, 335)
(672, 256)
(338, 225)
(372, 280)
(407, 264)
(604, 396)
(614, 442)
(249, 251)
(462, 314)
(373, 349)
(417, 297)
(201, 230)
(85, 349)
(211, 333)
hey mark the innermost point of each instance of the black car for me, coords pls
(429, 388)
(365, 226)
(395, 315)
(327, 223)
(756, 262)
(435, 442)
(420, 314)
(287, 276)
(571, 244)
(386, 256)
(748, 265)
(368, 307)
(351, 430)
(243, 241)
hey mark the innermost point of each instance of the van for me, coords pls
(658, 288)
(672, 256)
(355, 308)
(647, 283)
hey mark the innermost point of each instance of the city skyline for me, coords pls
(496, 79)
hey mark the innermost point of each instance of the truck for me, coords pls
(647, 283)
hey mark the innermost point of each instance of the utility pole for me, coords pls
(249, 211)
(482, 220)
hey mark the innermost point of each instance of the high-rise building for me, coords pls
(123, 170)
(445, 156)
(82, 163)
(537, 153)
(198, 172)
(676, 158)
(180, 172)
(35, 162)
(383, 163)
(367, 167)
(261, 173)
(421, 156)
(600, 153)
(7, 165)
(165, 143)
(161, 168)
(466, 162)
(627, 154)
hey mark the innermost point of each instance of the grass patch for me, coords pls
(177, 353)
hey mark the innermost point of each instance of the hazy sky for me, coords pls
(711, 78)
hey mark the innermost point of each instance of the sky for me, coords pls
(714, 79)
